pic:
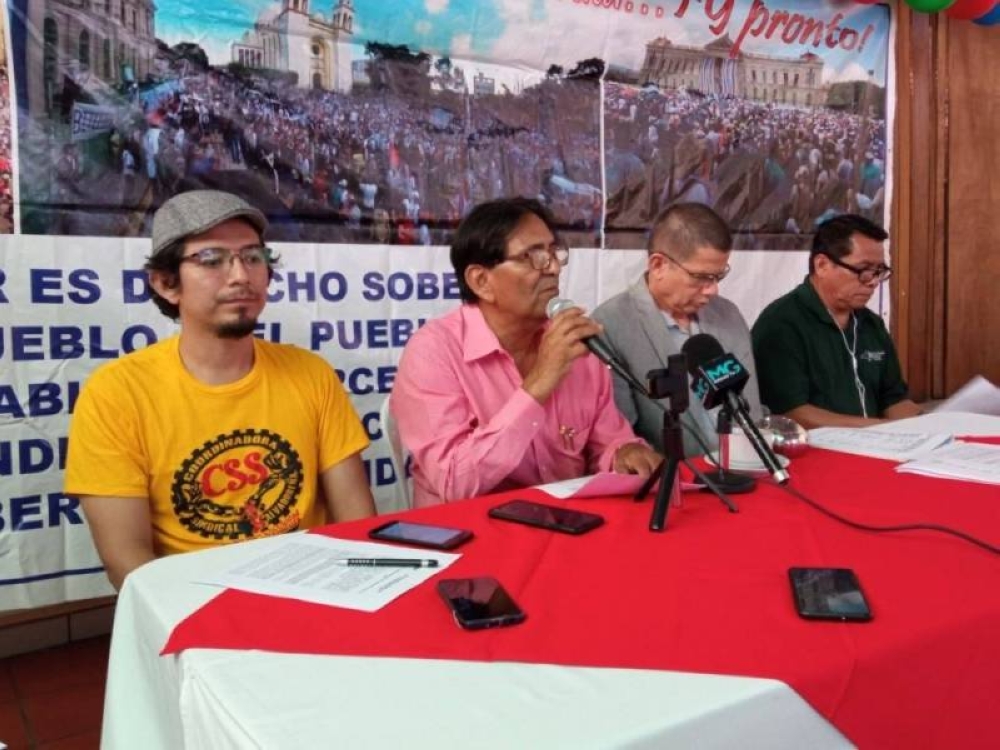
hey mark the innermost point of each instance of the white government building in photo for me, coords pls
(313, 46)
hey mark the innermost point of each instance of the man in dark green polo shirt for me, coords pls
(823, 358)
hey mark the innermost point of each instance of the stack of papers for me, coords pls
(978, 396)
(307, 567)
(875, 443)
(970, 461)
(958, 423)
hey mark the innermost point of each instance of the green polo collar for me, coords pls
(806, 295)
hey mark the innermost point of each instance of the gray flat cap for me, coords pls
(198, 211)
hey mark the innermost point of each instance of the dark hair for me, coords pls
(168, 263)
(481, 238)
(833, 236)
(683, 228)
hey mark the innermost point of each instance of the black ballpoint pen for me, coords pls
(386, 562)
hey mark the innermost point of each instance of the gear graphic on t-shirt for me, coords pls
(239, 485)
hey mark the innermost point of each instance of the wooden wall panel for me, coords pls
(917, 224)
(972, 273)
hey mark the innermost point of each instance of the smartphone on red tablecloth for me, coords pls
(478, 603)
(549, 517)
(420, 535)
(829, 594)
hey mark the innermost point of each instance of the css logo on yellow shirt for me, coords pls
(239, 485)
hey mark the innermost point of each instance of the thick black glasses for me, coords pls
(865, 275)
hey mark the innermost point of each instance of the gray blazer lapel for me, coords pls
(651, 325)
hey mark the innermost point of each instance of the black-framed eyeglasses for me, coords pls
(865, 275)
(540, 258)
(702, 279)
(214, 258)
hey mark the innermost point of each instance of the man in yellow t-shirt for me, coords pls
(211, 436)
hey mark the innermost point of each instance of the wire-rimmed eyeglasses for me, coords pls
(541, 258)
(213, 258)
(702, 279)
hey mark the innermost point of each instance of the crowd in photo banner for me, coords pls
(366, 167)
(6, 151)
(769, 169)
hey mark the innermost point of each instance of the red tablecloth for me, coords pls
(711, 595)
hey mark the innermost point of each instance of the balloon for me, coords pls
(929, 6)
(991, 18)
(966, 10)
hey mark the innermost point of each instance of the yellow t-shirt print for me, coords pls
(240, 485)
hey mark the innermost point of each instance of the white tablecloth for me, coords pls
(233, 699)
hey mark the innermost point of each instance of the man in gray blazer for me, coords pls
(677, 297)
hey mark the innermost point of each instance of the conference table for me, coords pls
(686, 638)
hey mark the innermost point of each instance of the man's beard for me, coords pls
(236, 329)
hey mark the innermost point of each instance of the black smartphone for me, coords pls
(547, 516)
(829, 594)
(420, 535)
(479, 603)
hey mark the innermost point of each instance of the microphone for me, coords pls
(674, 380)
(714, 373)
(597, 347)
(719, 378)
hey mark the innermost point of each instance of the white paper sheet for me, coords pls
(876, 443)
(978, 396)
(603, 484)
(958, 423)
(973, 462)
(304, 566)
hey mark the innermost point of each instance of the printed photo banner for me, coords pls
(366, 130)
(372, 122)
(89, 121)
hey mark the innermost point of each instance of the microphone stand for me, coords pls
(738, 411)
(672, 384)
(730, 481)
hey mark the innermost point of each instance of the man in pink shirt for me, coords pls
(493, 396)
